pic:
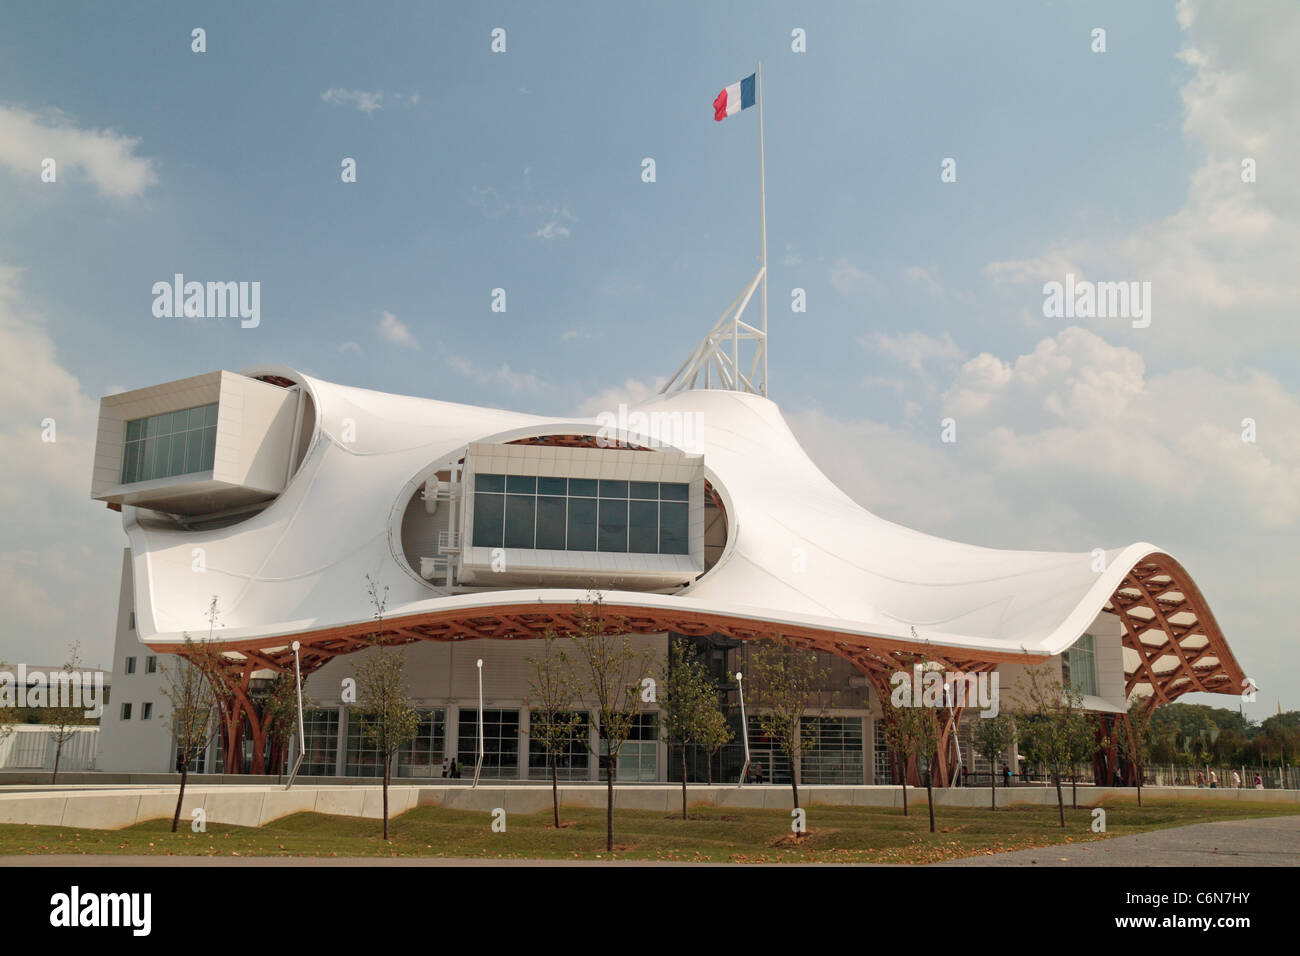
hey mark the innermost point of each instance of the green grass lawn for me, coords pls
(711, 834)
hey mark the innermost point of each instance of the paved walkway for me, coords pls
(1270, 841)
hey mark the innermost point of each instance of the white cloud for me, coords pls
(848, 279)
(396, 331)
(1222, 267)
(915, 349)
(501, 375)
(552, 230)
(350, 347)
(631, 392)
(925, 278)
(59, 550)
(106, 158)
(1074, 445)
(364, 101)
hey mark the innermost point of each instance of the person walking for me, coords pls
(1259, 782)
(1214, 779)
(1236, 780)
(1200, 779)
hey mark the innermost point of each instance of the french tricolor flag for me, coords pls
(734, 98)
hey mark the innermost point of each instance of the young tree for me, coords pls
(912, 728)
(388, 718)
(553, 717)
(280, 717)
(786, 685)
(64, 721)
(1082, 745)
(1135, 737)
(610, 673)
(993, 735)
(1049, 716)
(688, 703)
(191, 683)
(712, 734)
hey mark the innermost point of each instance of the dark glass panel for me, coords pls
(613, 525)
(489, 518)
(643, 527)
(582, 524)
(550, 523)
(673, 538)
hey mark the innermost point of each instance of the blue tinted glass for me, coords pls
(582, 524)
(521, 484)
(210, 415)
(551, 486)
(613, 489)
(194, 451)
(643, 527)
(161, 456)
(177, 464)
(195, 418)
(550, 523)
(133, 430)
(520, 520)
(489, 482)
(489, 515)
(613, 525)
(645, 489)
(582, 487)
(670, 491)
(209, 447)
(672, 529)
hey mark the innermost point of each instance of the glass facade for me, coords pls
(837, 757)
(174, 443)
(1079, 666)
(581, 514)
(500, 743)
(638, 758)
(573, 764)
(322, 730)
(421, 757)
(767, 762)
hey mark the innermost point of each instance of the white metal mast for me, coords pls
(712, 354)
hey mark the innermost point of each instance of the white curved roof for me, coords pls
(300, 564)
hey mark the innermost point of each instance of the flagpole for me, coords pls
(762, 212)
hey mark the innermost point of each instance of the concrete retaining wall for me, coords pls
(111, 808)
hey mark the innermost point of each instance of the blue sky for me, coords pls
(522, 170)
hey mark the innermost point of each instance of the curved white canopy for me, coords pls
(799, 551)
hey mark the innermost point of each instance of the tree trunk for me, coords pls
(1060, 799)
(386, 759)
(1074, 791)
(555, 790)
(1139, 782)
(58, 754)
(609, 804)
(993, 791)
(180, 797)
(905, 792)
(708, 765)
(929, 798)
(683, 781)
